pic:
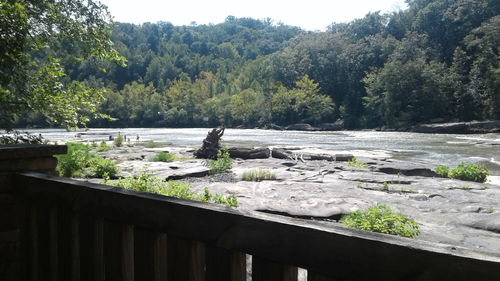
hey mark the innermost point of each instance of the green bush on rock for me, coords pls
(381, 218)
(147, 183)
(467, 172)
(223, 162)
(118, 141)
(99, 167)
(81, 162)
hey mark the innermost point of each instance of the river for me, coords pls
(429, 149)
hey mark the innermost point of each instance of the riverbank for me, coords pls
(475, 127)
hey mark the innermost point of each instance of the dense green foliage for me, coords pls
(80, 161)
(258, 175)
(381, 218)
(467, 172)
(222, 163)
(438, 60)
(443, 171)
(148, 183)
(37, 40)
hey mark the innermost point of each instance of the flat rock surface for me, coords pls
(449, 211)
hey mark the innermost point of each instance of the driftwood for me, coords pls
(249, 153)
(327, 157)
(344, 157)
(281, 153)
(211, 144)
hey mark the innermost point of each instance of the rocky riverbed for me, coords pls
(460, 213)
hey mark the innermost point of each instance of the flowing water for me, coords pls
(429, 149)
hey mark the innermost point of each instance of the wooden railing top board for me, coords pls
(326, 248)
(18, 151)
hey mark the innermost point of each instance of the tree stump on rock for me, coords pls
(211, 144)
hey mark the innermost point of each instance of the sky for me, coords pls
(308, 14)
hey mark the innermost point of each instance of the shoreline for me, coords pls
(469, 128)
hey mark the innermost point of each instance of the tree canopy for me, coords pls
(35, 36)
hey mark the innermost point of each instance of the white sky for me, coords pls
(307, 14)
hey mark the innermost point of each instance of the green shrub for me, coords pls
(258, 175)
(148, 183)
(118, 141)
(467, 172)
(223, 162)
(103, 147)
(471, 172)
(80, 161)
(99, 167)
(381, 218)
(72, 163)
(442, 171)
(353, 162)
(231, 201)
(163, 157)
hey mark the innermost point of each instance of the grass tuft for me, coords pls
(258, 175)
(163, 157)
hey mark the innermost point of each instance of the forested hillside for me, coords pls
(437, 60)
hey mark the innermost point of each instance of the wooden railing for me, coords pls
(81, 231)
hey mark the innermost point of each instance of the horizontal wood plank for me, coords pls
(17, 151)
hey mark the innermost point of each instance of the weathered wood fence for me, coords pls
(81, 231)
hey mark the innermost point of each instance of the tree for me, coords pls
(407, 93)
(36, 36)
(304, 103)
(248, 107)
(482, 42)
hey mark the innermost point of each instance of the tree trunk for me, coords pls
(249, 153)
(211, 144)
